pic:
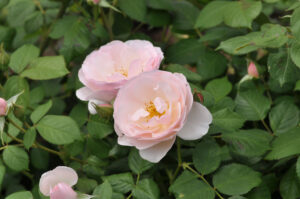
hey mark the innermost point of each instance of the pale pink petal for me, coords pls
(86, 94)
(197, 123)
(62, 191)
(60, 174)
(160, 104)
(139, 113)
(93, 103)
(3, 107)
(157, 152)
(139, 144)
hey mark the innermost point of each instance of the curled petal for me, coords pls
(87, 94)
(197, 123)
(60, 174)
(62, 191)
(157, 152)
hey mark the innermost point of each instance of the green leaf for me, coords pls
(191, 76)
(103, 191)
(285, 145)
(79, 113)
(40, 111)
(235, 179)
(16, 85)
(18, 12)
(227, 120)
(58, 129)
(136, 9)
(270, 36)
(297, 168)
(157, 18)
(260, 192)
(211, 64)
(15, 158)
(186, 186)
(250, 143)
(211, 15)
(137, 164)
(241, 13)
(146, 189)
(121, 183)
(39, 158)
(297, 86)
(289, 185)
(184, 15)
(86, 185)
(29, 137)
(284, 117)
(185, 51)
(22, 57)
(207, 156)
(20, 195)
(295, 52)
(99, 128)
(219, 88)
(282, 68)
(2, 173)
(45, 68)
(252, 105)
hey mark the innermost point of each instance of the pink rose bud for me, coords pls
(96, 1)
(58, 183)
(106, 70)
(252, 70)
(154, 108)
(3, 107)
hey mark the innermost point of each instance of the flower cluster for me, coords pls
(151, 107)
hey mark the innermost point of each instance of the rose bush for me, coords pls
(149, 99)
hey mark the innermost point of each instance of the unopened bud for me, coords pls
(252, 70)
(3, 107)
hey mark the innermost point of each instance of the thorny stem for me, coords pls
(186, 166)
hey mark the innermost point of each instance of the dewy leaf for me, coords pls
(58, 129)
(285, 145)
(270, 36)
(211, 15)
(282, 68)
(137, 164)
(226, 119)
(146, 189)
(187, 186)
(20, 195)
(136, 9)
(252, 105)
(219, 88)
(235, 179)
(249, 143)
(22, 57)
(40, 111)
(16, 158)
(241, 13)
(103, 191)
(207, 156)
(289, 185)
(284, 117)
(45, 68)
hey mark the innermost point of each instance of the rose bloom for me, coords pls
(154, 108)
(106, 70)
(3, 107)
(58, 183)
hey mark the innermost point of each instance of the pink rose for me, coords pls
(58, 183)
(106, 70)
(3, 107)
(154, 108)
(96, 1)
(252, 70)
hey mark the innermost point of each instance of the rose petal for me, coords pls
(87, 94)
(93, 103)
(157, 152)
(197, 123)
(60, 174)
(62, 191)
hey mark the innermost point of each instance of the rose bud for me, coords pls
(106, 70)
(252, 70)
(3, 107)
(58, 183)
(154, 108)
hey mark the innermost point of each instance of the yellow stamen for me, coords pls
(123, 71)
(150, 107)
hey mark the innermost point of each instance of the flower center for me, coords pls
(122, 71)
(151, 109)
